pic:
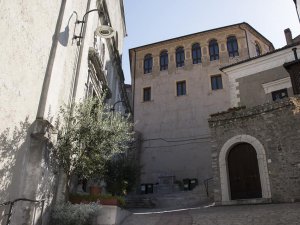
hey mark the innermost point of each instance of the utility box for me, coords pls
(186, 184)
(193, 183)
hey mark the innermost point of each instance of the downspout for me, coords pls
(47, 79)
(74, 89)
(246, 40)
(133, 93)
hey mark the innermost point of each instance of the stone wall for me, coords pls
(277, 127)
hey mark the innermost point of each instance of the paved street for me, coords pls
(271, 214)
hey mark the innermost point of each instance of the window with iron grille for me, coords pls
(180, 57)
(164, 60)
(148, 62)
(196, 53)
(216, 82)
(213, 50)
(181, 88)
(232, 46)
(147, 94)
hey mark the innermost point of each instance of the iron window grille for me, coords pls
(181, 88)
(164, 60)
(180, 57)
(213, 50)
(232, 46)
(147, 94)
(196, 53)
(148, 62)
(216, 82)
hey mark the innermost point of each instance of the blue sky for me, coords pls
(157, 20)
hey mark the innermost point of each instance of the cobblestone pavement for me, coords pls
(270, 214)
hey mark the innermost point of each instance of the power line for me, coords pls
(165, 146)
(181, 140)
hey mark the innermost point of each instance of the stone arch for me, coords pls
(262, 165)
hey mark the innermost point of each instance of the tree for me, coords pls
(89, 136)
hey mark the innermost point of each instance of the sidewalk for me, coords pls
(269, 214)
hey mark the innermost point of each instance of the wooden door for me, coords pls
(243, 172)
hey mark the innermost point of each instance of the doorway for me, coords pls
(243, 171)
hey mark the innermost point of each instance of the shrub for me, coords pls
(71, 214)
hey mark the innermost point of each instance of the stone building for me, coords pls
(51, 58)
(255, 151)
(176, 85)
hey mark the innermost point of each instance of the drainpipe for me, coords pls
(74, 89)
(47, 78)
(246, 39)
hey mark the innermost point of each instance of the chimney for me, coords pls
(288, 36)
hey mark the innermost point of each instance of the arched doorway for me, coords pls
(244, 177)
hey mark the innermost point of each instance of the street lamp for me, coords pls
(102, 31)
(113, 108)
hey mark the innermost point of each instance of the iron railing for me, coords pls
(12, 203)
(206, 183)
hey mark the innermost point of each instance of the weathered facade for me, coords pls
(272, 129)
(43, 68)
(176, 85)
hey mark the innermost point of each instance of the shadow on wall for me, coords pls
(11, 142)
(26, 171)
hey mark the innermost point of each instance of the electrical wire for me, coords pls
(165, 146)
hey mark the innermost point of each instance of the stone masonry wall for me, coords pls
(277, 127)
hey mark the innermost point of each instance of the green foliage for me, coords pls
(89, 135)
(70, 214)
(121, 175)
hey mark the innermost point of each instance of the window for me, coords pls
(148, 64)
(147, 94)
(196, 53)
(232, 46)
(213, 50)
(181, 88)
(280, 94)
(180, 57)
(216, 82)
(164, 60)
(258, 49)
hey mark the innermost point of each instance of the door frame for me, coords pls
(262, 165)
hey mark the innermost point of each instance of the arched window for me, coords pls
(213, 50)
(179, 57)
(232, 46)
(257, 48)
(164, 60)
(148, 61)
(196, 53)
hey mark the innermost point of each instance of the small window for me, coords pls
(258, 49)
(232, 46)
(148, 61)
(196, 53)
(147, 94)
(181, 88)
(180, 57)
(280, 94)
(164, 60)
(213, 50)
(216, 82)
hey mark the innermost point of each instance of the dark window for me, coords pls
(179, 57)
(280, 94)
(147, 94)
(148, 64)
(213, 50)
(232, 46)
(258, 49)
(181, 88)
(164, 60)
(216, 82)
(196, 53)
